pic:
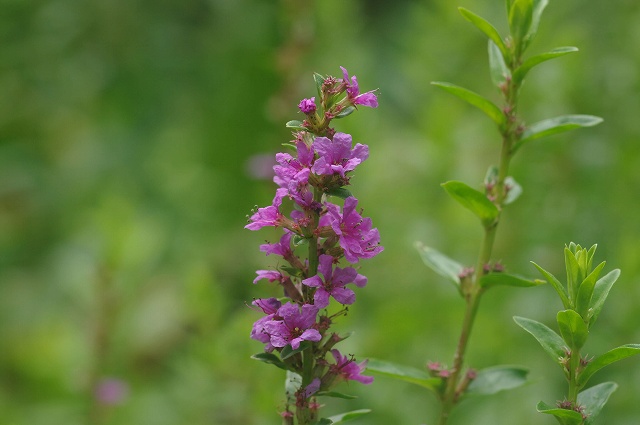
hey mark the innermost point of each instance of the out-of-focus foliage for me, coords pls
(134, 137)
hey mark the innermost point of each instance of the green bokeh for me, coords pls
(127, 130)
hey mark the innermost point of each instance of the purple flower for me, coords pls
(270, 275)
(282, 248)
(307, 105)
(294, 327)
(348, 369)
(293, 174)
(334, 282)
(270, 307)
(357, 238)
(336, 156)
(268, 216)
(353, 92)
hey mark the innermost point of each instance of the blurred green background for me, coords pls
(131, 140)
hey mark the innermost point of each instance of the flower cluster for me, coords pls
(313, 177)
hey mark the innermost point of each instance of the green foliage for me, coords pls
(404, 373)
(606, 359)
(550, 341)
(495, 379)
(572, 328)
(487, 29)
(490, 280)
(344, 417)
(594, 399)
(473, 200)
(440, 263)
(482, 103)
(270, 358)
(564, 416)
(556, 125)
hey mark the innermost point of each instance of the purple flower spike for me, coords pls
(307, 106)
(268, 216)
(348, 369)
(295, 326)
(336, 156)
(334, 282)
(357, 238)
(353, 92)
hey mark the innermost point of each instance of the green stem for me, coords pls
(574, 364)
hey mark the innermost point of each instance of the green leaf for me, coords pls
(514, 192)
(346, 112)
(594, 399)
(529, 63)
(538, 8)
(270, 359)
(475, 201)
(299, 240)
(484, 26)
(550, 341)
(296, 125)
(565, 416)
(474, 99)
(573, 272)
(323, 421)
(403, 373)
(500, 73)
(440, 263)
(559, 287)
(520, 19)
(600, 293)
(319, 79)
(504, 279)
(556, 125)
(336, 394)
(495, 379)
(606, 359)
(339, 192)
(344, 417)
(288, 351)
(585, 292)
(572, 328)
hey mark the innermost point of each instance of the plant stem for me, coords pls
(472, 297)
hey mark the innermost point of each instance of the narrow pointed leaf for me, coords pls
(594, 399)
(499, 71)
(600, 293)
(319, 79)
(404, 373)
(585, 292)
(550, 341)
(557, 285)
(475, 201)
(520, 17)
(556, 125)
(346, 112)
(344, 417)
(565, 416)
(526, 66)
(484, 26)
(294, 124)
(440, 263)
(324, 421)
(572, 328)
(606, 359)
(288, 351)
(474, 99)
(538, 8)
(336, 394)
(504, 279)
(339, 192)
(495, 379)
(270, 359)
(573, 271)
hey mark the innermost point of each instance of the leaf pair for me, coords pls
(556, 346)
(488, 381)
